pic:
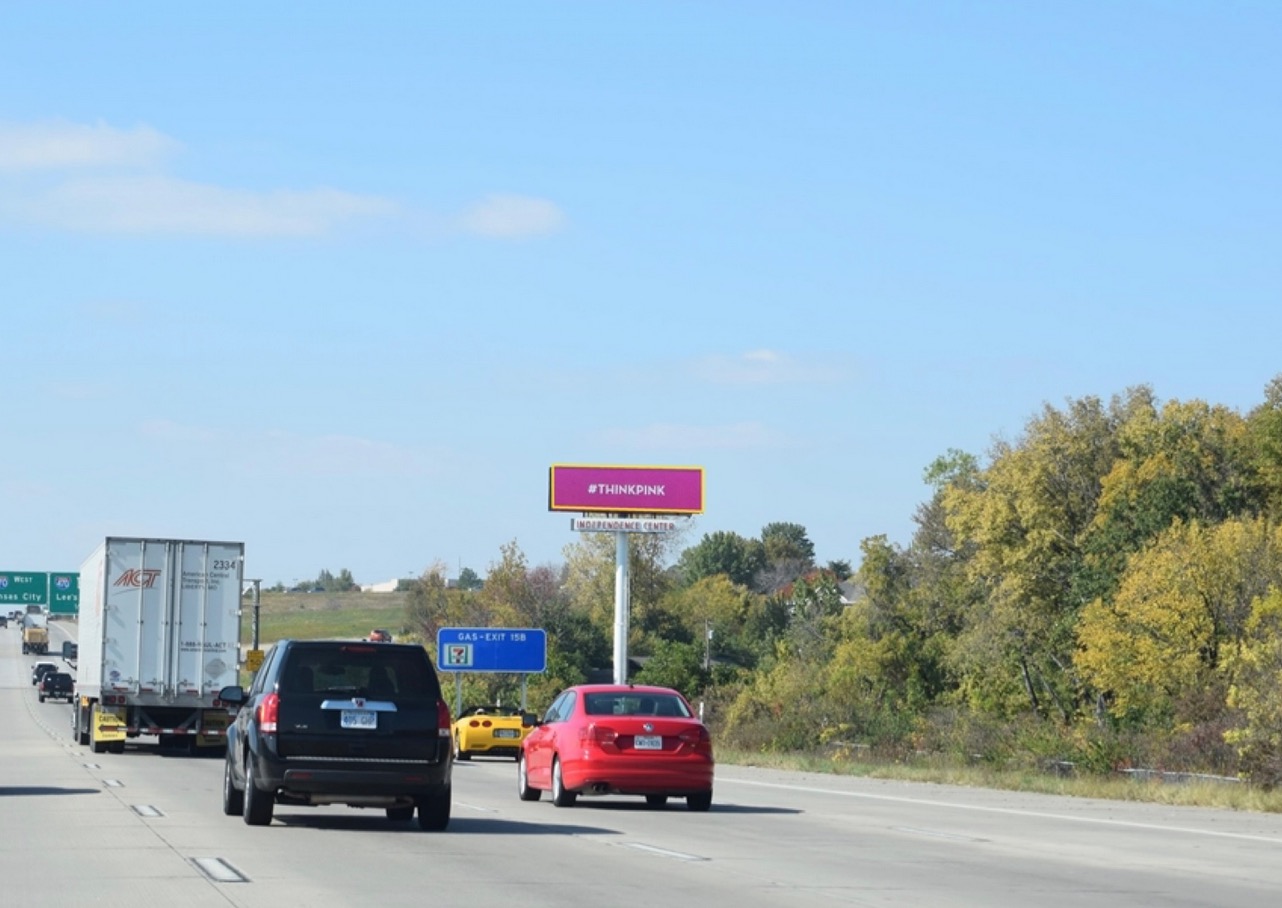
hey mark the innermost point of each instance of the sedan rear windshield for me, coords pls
(631, 704)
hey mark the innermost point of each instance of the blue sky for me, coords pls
(342, 281)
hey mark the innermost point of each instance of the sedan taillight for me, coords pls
(602, 736)
(698, 739)
(268, 713)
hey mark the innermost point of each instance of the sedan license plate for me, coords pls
(648, 742)
(359, 718)
(505, 733)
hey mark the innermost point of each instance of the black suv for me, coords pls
(340, 722)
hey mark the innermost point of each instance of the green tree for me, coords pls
(590, 578)
(716, 605)
(505, 599)
(1023, 519)
(675, 665)
(1184, 461)
(722, 552)
(1264, 425)
(787, 542)
(429, 606)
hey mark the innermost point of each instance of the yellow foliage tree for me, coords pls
(1161, 644)
(1256, 694)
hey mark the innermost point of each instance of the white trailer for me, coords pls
(159, 637)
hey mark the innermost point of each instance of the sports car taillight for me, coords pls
(267, 714)
(442, 719)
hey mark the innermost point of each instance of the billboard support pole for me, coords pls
(620, 607)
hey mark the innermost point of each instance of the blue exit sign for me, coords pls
(520, 650)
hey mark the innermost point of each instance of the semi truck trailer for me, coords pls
(159, 637)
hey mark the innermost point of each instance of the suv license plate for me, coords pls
(359, 718)
(648, 742)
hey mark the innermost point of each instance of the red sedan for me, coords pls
(618, 739)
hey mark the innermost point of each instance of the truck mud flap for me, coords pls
(107, 725)
(213, 728)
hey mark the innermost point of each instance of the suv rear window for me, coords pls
(359, 670)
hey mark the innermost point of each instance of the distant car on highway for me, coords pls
(489, 731)
(38, 671)
(618, 739)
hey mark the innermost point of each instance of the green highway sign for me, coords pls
(25, 588)
(64, 594)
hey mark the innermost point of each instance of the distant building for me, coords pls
(387, 586)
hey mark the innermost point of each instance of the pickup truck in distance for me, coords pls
(56, 686)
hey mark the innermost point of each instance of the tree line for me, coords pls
(1105, 589)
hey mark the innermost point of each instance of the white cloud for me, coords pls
(671, 436)
(278, 453)
(763, 367)
(160, 204)
(100, 179)
(511, 216)
(337, 455)
(58, 145)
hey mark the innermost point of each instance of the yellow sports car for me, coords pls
(489, 731)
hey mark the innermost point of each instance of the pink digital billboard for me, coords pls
(626, 490)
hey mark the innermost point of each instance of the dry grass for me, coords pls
(310, 616)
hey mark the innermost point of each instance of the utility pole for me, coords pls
(253, 624)
(707, 644)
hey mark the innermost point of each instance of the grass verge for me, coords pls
(937, 770)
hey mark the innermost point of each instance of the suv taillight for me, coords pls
(268, 713)
(442, 719)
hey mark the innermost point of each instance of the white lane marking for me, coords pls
(1009, 811)
(219, 870)
(662, 852)
(113, 783)
(146, 810)
(477, 807)
(938, 834)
